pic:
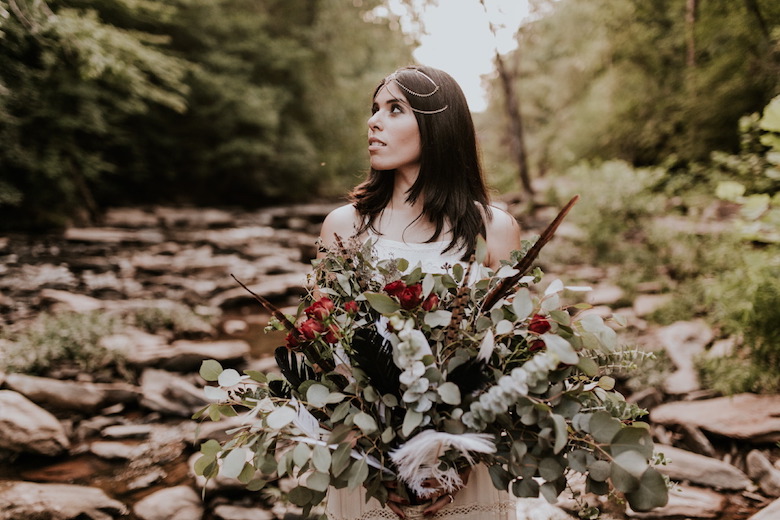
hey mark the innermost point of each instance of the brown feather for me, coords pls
(525, 263)
(458, 304)
(279, 315)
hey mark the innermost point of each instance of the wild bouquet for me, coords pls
(393, 373)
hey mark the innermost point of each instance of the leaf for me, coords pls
(561, 348)
(357, 474)
(599, 470)
(427, 285)
(522, 304)
(651, 492)
(215, 394)
(229, 377)
(588, 366)
(438, 318)
(365, 422)
(604, 427)
(550, 469)
(234, 462)
(320, 458)
(561, 434)
(500, 476)
(210, 370)
(280, 417)
(525, 488)
(450, 393)
(412, 420)
(382, 303)
(631, 462)
(301, 454)
(318, 481)
(254, 375)
(300, 496)
(480, 252)
(210, 447)
(341, 459)
(317, 395)
(632, 438)
(202, 464)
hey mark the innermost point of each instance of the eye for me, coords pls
(396, 108)
(374, 109)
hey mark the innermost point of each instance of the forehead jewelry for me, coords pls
(394, 77)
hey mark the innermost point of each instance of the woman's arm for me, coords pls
(503, 237)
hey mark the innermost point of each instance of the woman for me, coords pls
(424, 200)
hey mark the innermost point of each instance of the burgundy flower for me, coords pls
(310, 328)
(292, 339)
(351, 307)
(537, 345)
(395, 288)
(430, 303)
(320, 309)
(411, 296)
(539, 324)
(333, 333)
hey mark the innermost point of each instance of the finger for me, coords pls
(395, 497)
(396, 509)
(434, 508)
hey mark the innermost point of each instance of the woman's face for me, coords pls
(393, 134)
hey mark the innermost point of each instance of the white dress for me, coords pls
(479, 500)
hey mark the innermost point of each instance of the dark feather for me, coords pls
(373, 354)
(294, 370)
(470, 376)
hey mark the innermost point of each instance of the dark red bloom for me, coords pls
(430, 303)
(411, 296)
(310, 328)
(333, 333)
(395, 288)
(292, 339)
(536, 345)
(351, 307)
(320, 309)
(539, 324)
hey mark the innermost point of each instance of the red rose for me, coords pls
(411, 296)
(333, 333)
(395, 288)
(430, 303)
(536, 345)
(320, 309)
(310, 328)
(351, 307)
(292, 339)
(539, 324)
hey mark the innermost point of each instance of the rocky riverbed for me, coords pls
(101, 444)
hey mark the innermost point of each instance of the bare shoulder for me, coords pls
(342, 221)
(503, 236)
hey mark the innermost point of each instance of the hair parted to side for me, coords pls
(450, 182)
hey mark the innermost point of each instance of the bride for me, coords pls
(424, 200)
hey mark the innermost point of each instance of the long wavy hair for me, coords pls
(450, 181)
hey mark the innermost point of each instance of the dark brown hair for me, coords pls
(450, 182)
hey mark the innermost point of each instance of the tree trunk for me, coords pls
(514, 114)
(691, 7)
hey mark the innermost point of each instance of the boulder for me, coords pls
(698, 469)
(26, 427)
(764, 473)
(28, 500)
(110, 235)
(54, 394)
(770, 512)
(686, 502)
(683, 341)
(116, 450)
(176, 503)
(227, 512)
(749, 417)
(70, 301)
(170, 394)
(646, 304)
(271, 286)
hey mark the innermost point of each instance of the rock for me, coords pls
(176, 503)
(128, 431)
(764, 473)
(130, 218)
(109, 235)
(32, 278)
(170, 394)
(683, 342)
(646, 304)
(605, 294)
(147, 479)
(26, 427)
(698, 469)
(116, 450)
(686, 502)
(226, 512)
(147, 350)
(27, 500)
(70, 301)
(194, 217)
(750, 417)
(722, 348)
(770, 512)
(54, 394)
(271, 286)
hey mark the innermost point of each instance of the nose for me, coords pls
(374, 121)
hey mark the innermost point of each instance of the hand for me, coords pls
(443, 499)
(394, 500)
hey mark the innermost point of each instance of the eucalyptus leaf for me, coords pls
(550, 468)
(599, 470)
(500, 476)
(632, 462)
(382, 303)
(229, 377)
(412, 420)
(561, 434)
(450, 393)
(632, 439)
(300, 496)
(365, 422)
(522, 304)
(604, 427)
(318, 481)
(301, 454)
(317, 395)
(210, 370)
(233, 463)
(280, 417)
(321, 458)
(650, 493)
(357, 474)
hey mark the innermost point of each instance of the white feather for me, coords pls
(417, 459)
(486, 347)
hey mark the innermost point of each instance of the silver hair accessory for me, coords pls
(394, 77)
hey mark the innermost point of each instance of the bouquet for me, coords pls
(390, 373)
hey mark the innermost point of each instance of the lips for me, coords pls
(374, 143)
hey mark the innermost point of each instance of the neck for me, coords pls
(404, 180)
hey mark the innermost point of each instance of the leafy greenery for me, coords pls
(176, 319)
(54, 340)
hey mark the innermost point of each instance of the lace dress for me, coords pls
(479, 500)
